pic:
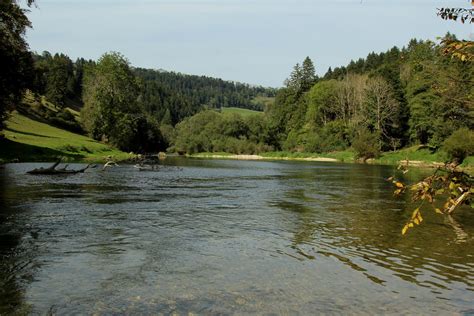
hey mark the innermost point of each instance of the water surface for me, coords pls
(226, 237)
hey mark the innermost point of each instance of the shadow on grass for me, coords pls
(13, 151)
(27, 133)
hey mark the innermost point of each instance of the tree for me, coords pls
(321, 100)
(350, 98)
(59, 79)
(17, 63)
(460, 144)
(294, 81)
(380, 108)
(110, 100)
(308, 74)
(303, 77)
(448, 183)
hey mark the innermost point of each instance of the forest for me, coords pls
(413, 95)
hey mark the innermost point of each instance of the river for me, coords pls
(227, 237)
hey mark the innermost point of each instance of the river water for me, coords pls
(226, 237)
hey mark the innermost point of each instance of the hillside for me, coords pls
(26, 139)
(201, 91)
(168, 97)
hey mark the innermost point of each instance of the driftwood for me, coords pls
(109, 164)
(53, 171)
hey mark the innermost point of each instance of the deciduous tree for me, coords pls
(110, 100)
(17, 63)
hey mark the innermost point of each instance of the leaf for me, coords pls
(437, 210)
(415, 213)
(399, 184)
(404, 230)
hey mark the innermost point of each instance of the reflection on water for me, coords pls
(224, 237)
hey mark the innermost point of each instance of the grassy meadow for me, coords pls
(25, 139)
(243, 112)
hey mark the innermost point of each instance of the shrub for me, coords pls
(460, 144)
(366, 145)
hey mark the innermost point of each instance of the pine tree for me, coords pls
(308, 74)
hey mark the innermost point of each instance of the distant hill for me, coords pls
(183, 95)
(167, 96)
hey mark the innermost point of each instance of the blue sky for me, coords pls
(257, 42)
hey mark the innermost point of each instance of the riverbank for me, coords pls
(28, 140)
(257, 157)
(416, 156)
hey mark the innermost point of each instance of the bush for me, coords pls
(460, 144)
(366, 145)
(65, 120)
(332, 137)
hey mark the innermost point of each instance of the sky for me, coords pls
(252, 41)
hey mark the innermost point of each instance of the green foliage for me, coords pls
(412, 155)
(460, 144)
(17, 63)
(321, 100)
(334, 136)
(366, 145)
(111, 111)
(302, 78)
(59, 79)
(66, 120)
(405, 96)
(179, 96)
(210, 131)
(386, 101)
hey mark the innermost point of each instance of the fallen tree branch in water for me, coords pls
(53, 171)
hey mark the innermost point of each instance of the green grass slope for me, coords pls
(243, 112)
(28, 140)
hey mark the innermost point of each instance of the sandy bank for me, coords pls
(258, 157)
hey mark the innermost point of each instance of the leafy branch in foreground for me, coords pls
(463, 14)
(463, 50)
(447, 184)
